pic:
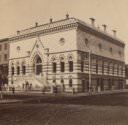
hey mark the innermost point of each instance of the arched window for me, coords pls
(82, 66)
(62, 81)
(54, 67)
(70, 82)
(70, 64)
(54, 80)
(38, 66)
(13, 71)
(62, 65)
(24, 70)
(18, 70)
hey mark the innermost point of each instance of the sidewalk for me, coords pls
(5, 101)
(39, 93)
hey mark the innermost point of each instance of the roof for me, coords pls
(3, 40)
(65, 22)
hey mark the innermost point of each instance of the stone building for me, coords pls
(69, 54)
(4, 49)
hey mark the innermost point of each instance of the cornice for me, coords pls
(43, 30)
(100, 34)
(61, 25)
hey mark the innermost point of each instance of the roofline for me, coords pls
(4, 39)
(79, 22)
(98, 31)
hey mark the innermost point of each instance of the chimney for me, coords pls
(67, 16)
(114, 32)
(98, 27)
(18, 32)
(36, 24)
(50, 20)
(105, 27)
(92, 21)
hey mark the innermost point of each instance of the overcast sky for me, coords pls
(19, 14)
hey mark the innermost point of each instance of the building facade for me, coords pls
(4, 50)
(69, 54)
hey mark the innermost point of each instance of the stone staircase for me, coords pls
(31, 83)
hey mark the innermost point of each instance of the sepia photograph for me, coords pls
(63, 62)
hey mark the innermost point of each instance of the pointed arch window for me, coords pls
(70, 64)
(62, 80)
(62, 65)
(82, 66)
(13, 69)
(54, 67)
(24, 69)
(70, 82)
(18, 70)
(37, 65)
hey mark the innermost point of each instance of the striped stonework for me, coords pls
(62, 54)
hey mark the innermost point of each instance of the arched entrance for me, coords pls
(38, 66)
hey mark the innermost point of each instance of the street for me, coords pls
(66, 110)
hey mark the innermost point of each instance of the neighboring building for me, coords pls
(126, 74)
(4, 49)
(62, 53)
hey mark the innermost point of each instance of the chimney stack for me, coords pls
(50, 20)
(67, 16)
(18, 32)
(98, 27)
(36, 24)
(105, 27)
(114, 32)
(92, 21)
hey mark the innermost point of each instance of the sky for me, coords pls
(20, 14)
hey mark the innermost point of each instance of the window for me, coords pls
(38, 66)
(97, 66)
(82, 66)
(70, 66)
(54, 81)
(86, 42)
(18, 48)
(70, 82)
(13, 71)
(24, 70)
(0, 47)
(5, 57)
(100, 46)
(62, 41)
(18, 70)
(54, 67)
(110, 49)
(119, 53)
(5, 46)
(62, 66)
(0, 58)
(117, 69)
(62, 81)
